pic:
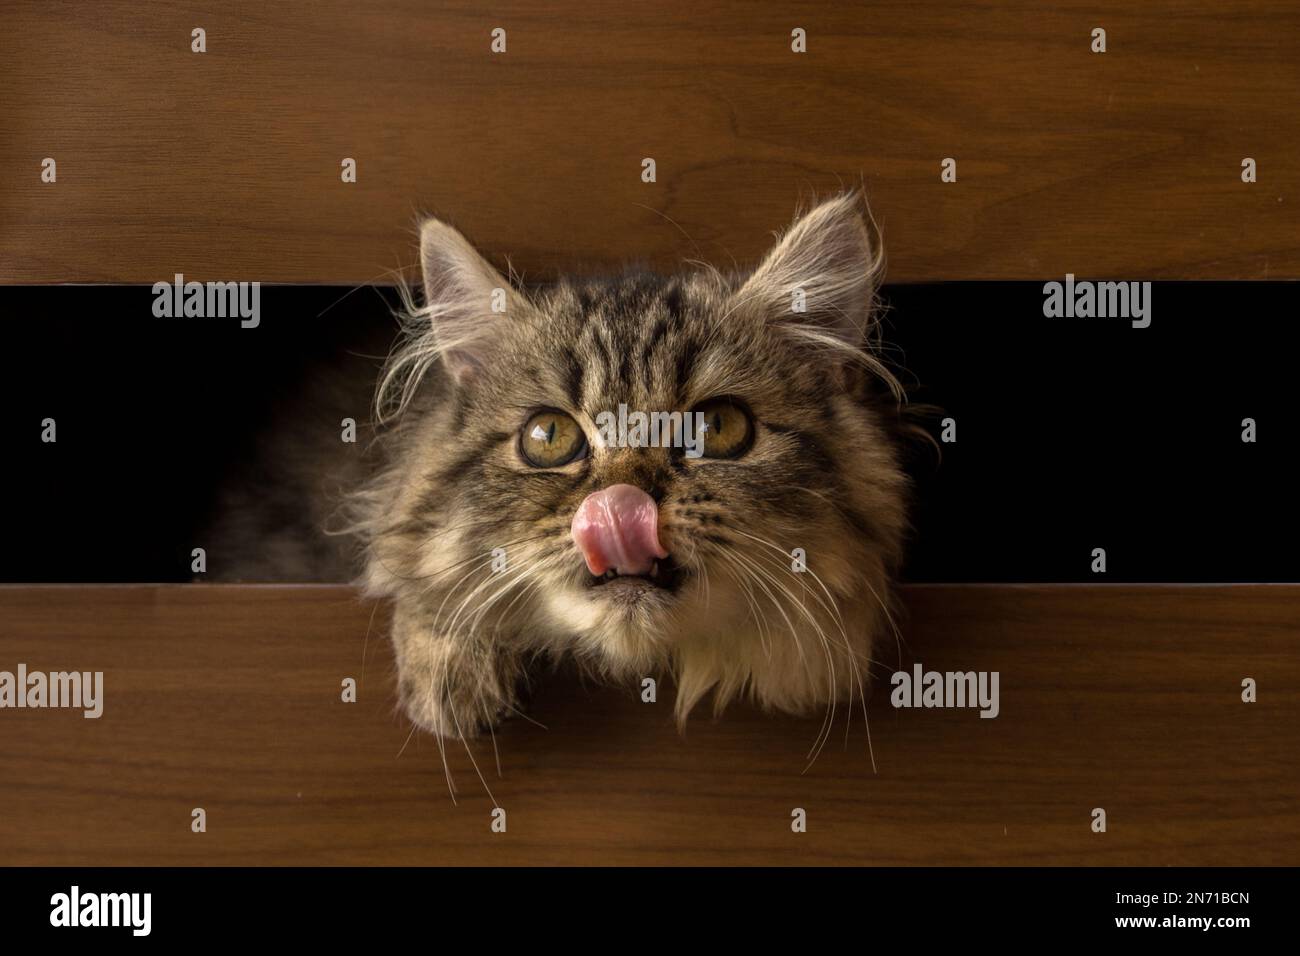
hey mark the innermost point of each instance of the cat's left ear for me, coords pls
(821, 278)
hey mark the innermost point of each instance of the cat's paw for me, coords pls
(454, 712)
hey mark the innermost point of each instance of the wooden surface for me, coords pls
(226, 165)
(227, 698)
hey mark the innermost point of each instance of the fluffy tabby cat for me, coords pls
(502, 526)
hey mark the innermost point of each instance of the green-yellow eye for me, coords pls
(728, 429)
(551, 439)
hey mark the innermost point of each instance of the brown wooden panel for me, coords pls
(227, 698)
(225, 165)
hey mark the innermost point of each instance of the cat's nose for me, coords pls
(618, 527)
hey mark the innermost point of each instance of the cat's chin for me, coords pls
(628, 616)
(635, 596)
(632, 595)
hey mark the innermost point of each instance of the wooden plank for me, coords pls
(227, 698)
(226, 164)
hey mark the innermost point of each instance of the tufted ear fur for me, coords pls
(467, 302)
(830, 263)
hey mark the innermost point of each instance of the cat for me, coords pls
(503, 525)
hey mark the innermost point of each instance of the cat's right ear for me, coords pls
(466, 300)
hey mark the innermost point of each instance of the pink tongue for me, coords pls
(618, 527)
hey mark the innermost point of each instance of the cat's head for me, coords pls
(749, 548)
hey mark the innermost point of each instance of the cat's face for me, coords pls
(742, 546)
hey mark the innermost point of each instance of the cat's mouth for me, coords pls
(664, 575)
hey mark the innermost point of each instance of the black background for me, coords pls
(1072, 433)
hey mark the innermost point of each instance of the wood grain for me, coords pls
(225, 165)
(227, 698)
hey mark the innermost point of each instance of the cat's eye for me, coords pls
(551, 439)
(728, 428)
